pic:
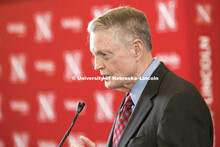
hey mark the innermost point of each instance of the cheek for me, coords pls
(122, 67)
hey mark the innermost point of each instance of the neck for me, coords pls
(144, 64)
(142, 67)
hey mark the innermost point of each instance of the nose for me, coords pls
(98, 64)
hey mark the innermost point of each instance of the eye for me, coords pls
(104, 55)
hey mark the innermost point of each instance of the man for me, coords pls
(165, 111)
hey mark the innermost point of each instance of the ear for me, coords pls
(138, 47)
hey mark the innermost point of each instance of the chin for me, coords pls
(108, 85)
(115, 86)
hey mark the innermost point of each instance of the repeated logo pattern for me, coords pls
(44, 44)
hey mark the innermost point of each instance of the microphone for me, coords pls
(79, 109)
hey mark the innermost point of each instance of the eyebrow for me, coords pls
(101, 52)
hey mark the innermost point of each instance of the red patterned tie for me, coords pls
(122, 119)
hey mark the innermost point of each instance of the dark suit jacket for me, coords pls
(170, 113)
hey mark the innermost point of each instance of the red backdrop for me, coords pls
(43, 44)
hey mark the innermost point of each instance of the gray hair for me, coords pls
(126, 23)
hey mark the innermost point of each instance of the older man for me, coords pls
(164, 111)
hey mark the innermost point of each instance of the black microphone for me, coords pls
(79, 109)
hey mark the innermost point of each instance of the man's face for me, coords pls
(113, 60)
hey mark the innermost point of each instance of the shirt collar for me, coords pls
(139, 86)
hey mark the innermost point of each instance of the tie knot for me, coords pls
(128, 101)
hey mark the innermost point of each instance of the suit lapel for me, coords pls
(142, 109)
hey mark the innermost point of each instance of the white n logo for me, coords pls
(46, 107)
(166, 16)
(20, 139)
(18, 74)
(43, 24)
(203, 14)
(104, 110)
(73, 61)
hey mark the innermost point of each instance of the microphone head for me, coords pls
(80, 106)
